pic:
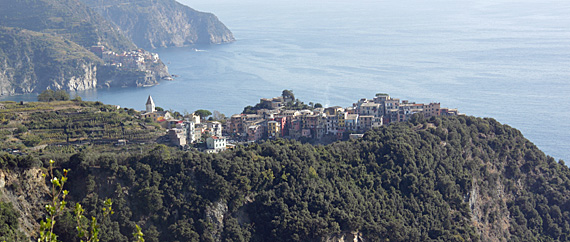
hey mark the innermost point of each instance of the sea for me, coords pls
(505, 59)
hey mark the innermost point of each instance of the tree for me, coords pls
(47, 95)
(288, 95)
(318, 105)
(61, 95)
(218, 116)
(202, 113)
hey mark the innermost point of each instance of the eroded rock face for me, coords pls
(26, 191)
(85, 82)
(215, 215)
(345, 237)
(489, 212)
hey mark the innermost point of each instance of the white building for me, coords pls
(216, 144)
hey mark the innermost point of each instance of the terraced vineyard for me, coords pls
(37, 125)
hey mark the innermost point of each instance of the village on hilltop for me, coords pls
(287, 117)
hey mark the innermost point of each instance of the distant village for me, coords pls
(134, 59)
(275, 118)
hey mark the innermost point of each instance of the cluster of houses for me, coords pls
(277, 120)
(333, 122)
(190, 130)
(135, 59)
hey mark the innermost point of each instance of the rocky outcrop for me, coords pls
(154, 24)
(149, 75)
(32, 61)
(215, 216)
(345, 237)
(26, 190)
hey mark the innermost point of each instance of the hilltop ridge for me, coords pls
(154, 24)
(455, 178)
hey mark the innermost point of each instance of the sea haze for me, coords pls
(503, 59)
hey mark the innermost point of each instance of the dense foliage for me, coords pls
(9, 223)
(443, 179)
(51, 95)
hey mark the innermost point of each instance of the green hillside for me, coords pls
(35, 61)
(443, 179)
(61, 127)
(69, 19)
(153, 24)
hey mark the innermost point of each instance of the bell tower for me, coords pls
(150, 108)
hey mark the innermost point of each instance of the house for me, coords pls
(215, 128)
(177, 136)
(254, 132)
(215, 144)
(351, 122)
(273, 129)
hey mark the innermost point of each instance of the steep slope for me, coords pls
(153, 24)
(69, 19)
(53, 50)
(32, 61)
(443, 179)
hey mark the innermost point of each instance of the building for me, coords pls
(215, 128)
(273, 129)
(150, 107)
(254, 133)
(177, 136)
(215, 144)
(351, 122)
(150, 112)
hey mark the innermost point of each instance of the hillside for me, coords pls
(50, 125)
(154, 24)
(68, 19)
(33, 61)
(442, 179)
(46, 44)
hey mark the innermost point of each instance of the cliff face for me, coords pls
(26, 190)
(154, 24)
(32, 61)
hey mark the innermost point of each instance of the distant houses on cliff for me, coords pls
(326, 123)
(285, 117)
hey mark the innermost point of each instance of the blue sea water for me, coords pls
(504, 59)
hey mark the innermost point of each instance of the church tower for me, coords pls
(150, 108)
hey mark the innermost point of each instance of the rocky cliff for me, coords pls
(44, 44)
(153, 24)
(32, 61)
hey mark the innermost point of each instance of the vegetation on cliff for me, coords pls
(33, 61)
(154, 24)
(45, 43)
(68, 19)
(442, 179)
